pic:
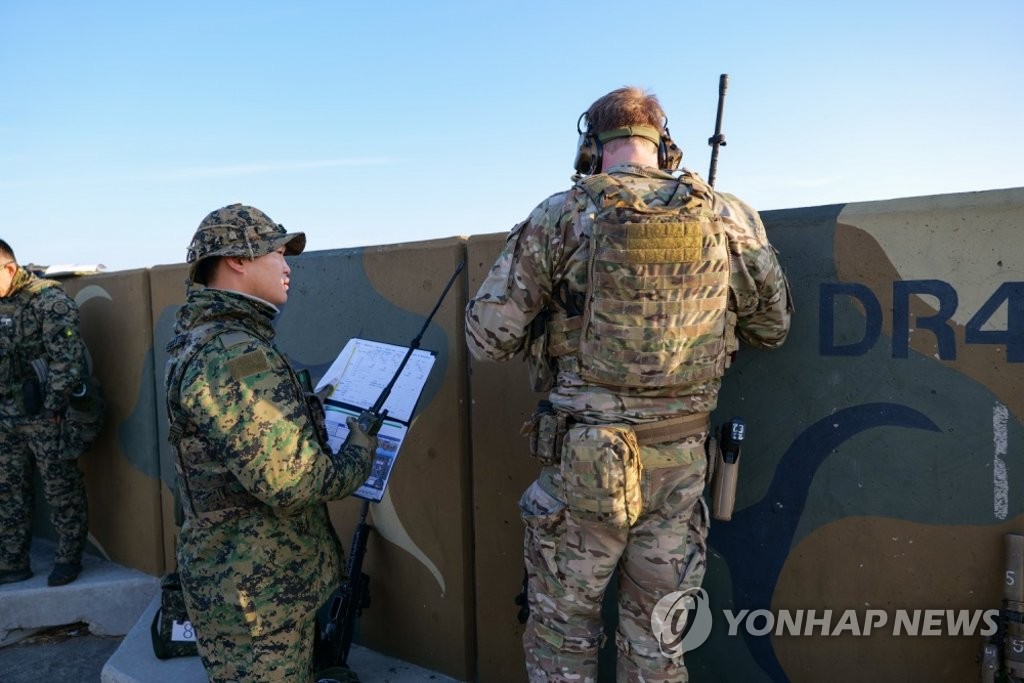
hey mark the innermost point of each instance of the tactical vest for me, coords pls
(16, 356)
(227, 492)
(654, 311)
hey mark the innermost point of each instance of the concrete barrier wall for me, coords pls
(881, 470)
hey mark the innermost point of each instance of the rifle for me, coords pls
(334, 637)
(1009, 636)
(718, 139)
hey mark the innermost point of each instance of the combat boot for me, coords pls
(64, 572)
(14, 575)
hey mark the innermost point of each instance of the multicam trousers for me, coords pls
(571, 558)
(25, 443)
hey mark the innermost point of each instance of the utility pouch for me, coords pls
(32, 395)
(83, 420)
(601, 473)
(546, 431)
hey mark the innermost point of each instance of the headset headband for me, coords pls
(646, 132)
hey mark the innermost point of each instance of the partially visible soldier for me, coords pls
(42, 363)
(257, 554)
(626, 293)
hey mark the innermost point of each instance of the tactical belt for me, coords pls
(671, 429)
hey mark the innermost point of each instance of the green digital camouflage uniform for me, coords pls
(257, 554)
(38, 320)
(656, 533)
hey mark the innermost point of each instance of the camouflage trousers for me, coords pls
(25, 444)
(571, 557)
(234, 648)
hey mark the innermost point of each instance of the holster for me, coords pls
(723, 478)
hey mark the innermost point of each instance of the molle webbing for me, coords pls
(657, 292)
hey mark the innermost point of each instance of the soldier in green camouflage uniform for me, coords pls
(632, 337)
(42, 362)
(257, 554)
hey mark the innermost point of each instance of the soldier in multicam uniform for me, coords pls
(42, 362)
(627, 294)
(257, 554)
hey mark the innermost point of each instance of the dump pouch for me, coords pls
(601, 474)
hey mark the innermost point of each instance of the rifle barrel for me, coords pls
(718, 140)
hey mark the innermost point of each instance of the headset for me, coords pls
(591, 145)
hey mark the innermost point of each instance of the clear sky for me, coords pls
(364, 123)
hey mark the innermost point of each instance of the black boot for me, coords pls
(15, 575)
(64, 572)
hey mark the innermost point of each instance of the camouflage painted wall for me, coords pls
(881, 470)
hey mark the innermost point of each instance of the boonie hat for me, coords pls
(239, 230)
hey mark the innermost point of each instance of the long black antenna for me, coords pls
(372, 418)
(718, 139)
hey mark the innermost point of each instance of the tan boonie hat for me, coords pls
(239, 230)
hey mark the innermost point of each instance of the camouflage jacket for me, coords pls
(252, 473)
(38, 320)
(551, 247)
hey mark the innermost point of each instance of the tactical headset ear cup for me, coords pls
(588, 154)
(669, 154)
(588, 150)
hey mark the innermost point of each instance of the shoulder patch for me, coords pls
(60, 308)
(249, 364)
(229, 339)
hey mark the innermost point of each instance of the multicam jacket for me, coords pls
(38, 320)
(252, 472)
(544, 266)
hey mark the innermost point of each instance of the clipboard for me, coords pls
(354, 381)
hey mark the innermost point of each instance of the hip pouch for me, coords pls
(601, 474)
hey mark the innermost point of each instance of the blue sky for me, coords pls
(364, 123)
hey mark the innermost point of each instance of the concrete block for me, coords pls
(106, 596)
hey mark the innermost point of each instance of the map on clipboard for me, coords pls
(358, 375)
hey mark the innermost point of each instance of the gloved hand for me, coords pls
(357, 437)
